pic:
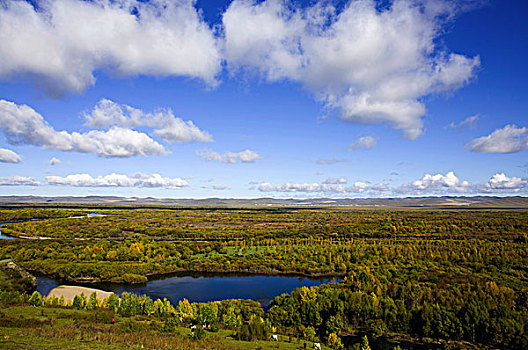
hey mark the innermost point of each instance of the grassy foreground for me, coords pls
(28, 327)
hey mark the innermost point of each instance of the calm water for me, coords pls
(1, 236)
(203, 288)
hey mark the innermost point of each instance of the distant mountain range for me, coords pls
(445, 201)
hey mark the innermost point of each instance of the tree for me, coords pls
(93, 303)
(185, 311)
(36, 299)
(335, 342)
(230, 318)
(365, 344)
(79, 302)
(112, 302)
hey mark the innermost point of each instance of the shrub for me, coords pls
(334, 342)
(169, 326)
(255, 329)
(133, 278)
(198, 333)
(36, 299)
(129, 326)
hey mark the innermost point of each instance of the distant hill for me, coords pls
(445, 201)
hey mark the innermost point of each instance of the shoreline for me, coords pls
(192, 273)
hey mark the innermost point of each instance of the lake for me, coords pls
(202, 288)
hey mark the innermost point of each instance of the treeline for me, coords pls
(15, 215)
(140, 322)
(435, 261)
(245, 316)
(480, 314)
(233, 224)
(489, 315)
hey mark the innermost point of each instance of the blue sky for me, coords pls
(263, 99)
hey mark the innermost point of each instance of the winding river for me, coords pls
(3, 236)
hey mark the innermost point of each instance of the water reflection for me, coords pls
(204, 288)
(2, 236)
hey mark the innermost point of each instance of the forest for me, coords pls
(458, 278)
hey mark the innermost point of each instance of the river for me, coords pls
(2, 236)
(204, 287)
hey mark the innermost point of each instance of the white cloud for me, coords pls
(450, 183)
(502, 183)
(436, 184)
(341, 180)
(23, 125)
(18, 181)
(246, 156)
(336, 189)
(59, 44)
(469, 123)
(365, 142)
(374, 65)
(117, 180)
(220, 187)
(54, 161)
(8, 156)
(166, 126)
(509, 139)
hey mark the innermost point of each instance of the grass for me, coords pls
(63, 328)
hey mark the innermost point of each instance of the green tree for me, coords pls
(36, 299)
(365, 344)
(92, 303)
(334, 342)
(112, 302)
(79, 301)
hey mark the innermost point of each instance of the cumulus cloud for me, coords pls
(510, 139)
(117, 180)
(8, 156)
(340, 180)
(108, 113)
(54, 161)
(502, 183)
(365, 142)
(23, 125)
(246, 156)
(438, 183)
(469, 123)
(451, 184)
(59, 44)
(374, 65)
(18, 181)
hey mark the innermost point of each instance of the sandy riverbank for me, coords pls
(69, 292)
